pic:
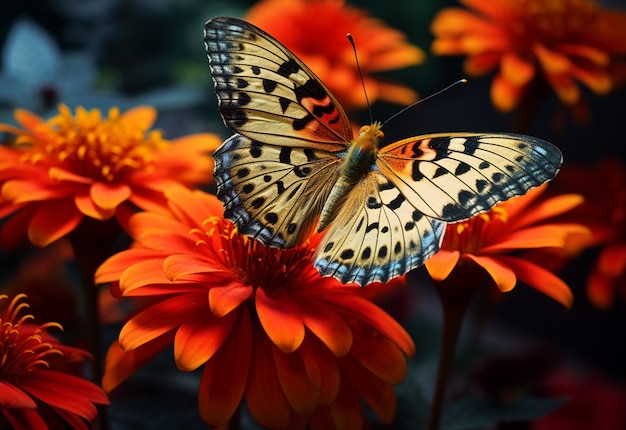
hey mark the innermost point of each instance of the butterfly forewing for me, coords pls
(453, 177)
(270, 192)
(267, 94)
(377, 235)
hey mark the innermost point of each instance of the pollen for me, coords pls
(104, 149)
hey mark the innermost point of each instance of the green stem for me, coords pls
(456, 293)
(92, 242)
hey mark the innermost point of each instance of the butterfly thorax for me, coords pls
(358, 161)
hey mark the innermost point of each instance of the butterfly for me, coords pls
(293, 167)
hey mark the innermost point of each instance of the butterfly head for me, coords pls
(371, 134)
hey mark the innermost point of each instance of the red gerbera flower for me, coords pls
(265, 325)
(33, 394)
(315, 30)
(59, 171)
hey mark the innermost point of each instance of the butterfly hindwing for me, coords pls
(270, 192)
(377, 235)
(453, 177)
(269, 95)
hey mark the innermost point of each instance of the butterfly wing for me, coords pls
(377, 235)
(454, 177)
(274, 175)
(267, 94)
(273, 193)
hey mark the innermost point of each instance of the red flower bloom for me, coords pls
(33, 394)
(264, 324)
(315, 30)
(59, 171)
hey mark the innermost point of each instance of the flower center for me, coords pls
(92, 147)
(256, 264)
(470, 236)
(553, 20)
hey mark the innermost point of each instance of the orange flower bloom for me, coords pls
(603, 186)
(59, 171)
(315, 30)
(33, 395)
(565, 41)
(266, 327)
(491, 243)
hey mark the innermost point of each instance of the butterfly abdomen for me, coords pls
(361, 156)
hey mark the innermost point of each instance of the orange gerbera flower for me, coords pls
(315, 30)
(33, 395)
(59, 171)
(604, 212)
(490, 244)
(262, 321)
(564, 41)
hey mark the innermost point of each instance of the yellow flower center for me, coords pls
(254, 263)
(472, 235)
(90, 146)
(552, 20)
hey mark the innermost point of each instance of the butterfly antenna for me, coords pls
(358, 66)
(412, 105)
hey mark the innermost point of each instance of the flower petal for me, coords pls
(199, 337)
(298, 390)
(264, 396)
(502, 275)
(224, 299)
(141, 116)
(53, 220)
(441, 264)
(120, 364)
(280, 319)
(516, 70)
(109, 196)
(221, 391)
(13, 397)
(540, 279)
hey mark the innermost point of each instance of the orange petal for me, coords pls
(600, 290)
(58, 174)
(565, 88)
(87, 206)
(141, 116)
(504, 95)
(441, 264)
(120, 364)
(298, 390)
(113, 267)
(327, 325)
(612, 260)
(25, 190)
(597, 80)
(454, 21)
(198, 338)
(540, 279)
(546, 209)
(157, 320)
(177, 267)
(480, 64)
(502, 275)
(27, 119)
(379, 355)
(225, 376)
(516, 70)
(543, 236)
(109, 196)
(280, 319)
(224, 299)
(321, 368)
(596, 56)
(264, 396)
(53, 220)
(552, 62)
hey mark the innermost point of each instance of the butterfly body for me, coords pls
(359, 159)
(293, 167)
